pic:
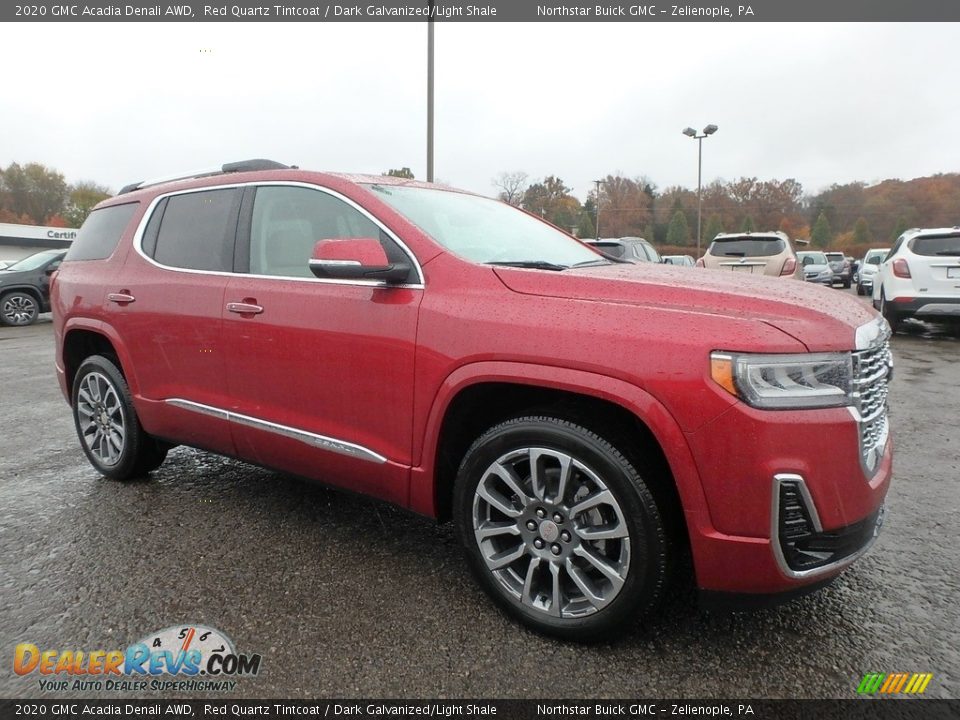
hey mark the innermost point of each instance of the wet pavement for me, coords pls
(344, 596)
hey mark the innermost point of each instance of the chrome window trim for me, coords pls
(827, 569)
(141, 229)
(323, 442)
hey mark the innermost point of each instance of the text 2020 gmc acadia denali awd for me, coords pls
(583, 422)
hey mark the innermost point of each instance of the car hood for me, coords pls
(869, 269)
(815, 267)
(793, 306)
(8, 277)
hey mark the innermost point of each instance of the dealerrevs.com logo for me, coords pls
(188, 658)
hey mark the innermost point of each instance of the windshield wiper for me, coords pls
(586, 263)
(535, 264)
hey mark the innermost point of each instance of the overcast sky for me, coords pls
(821, 103)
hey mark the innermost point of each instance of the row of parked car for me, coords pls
(918, 277)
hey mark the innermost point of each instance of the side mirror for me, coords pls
(356, 259)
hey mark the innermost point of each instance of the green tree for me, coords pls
(901, 227)
(679, 232)
(84, 196)
(585, 228)
(821, 236)
(861, 232)
(33, 190)
(748, 225)
(714, 228)
(403, 172)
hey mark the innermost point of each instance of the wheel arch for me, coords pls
(83, 338)
(28, 289)
(480, 395)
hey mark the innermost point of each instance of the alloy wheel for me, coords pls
(100, 418)
(551, 532)
(19, 309)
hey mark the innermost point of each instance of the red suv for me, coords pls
(583, 422)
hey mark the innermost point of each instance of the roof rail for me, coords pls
(240, 166)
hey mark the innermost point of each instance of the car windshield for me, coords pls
(34, 261)
(875, 257)
(747, 247)
(816, 258)
(485, 230)
(936, 245)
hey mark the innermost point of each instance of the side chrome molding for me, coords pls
(323, 442)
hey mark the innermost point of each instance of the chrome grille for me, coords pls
(871, 380)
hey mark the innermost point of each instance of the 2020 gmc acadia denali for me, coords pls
(582, 421)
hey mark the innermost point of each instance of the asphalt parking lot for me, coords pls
(347, 597)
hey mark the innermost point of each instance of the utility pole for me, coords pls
(597, 202)
(430, 92)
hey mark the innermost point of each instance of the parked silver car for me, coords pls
(816, 267)
(629, 249)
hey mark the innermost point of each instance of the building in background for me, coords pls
(18, 241)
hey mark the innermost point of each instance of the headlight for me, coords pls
(815, 380)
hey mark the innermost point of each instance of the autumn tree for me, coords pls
(624, 206)
(901, 227)
(551, 200)
(512, 186)
(83, 197)
(821, 236)
(748, 224)
(403, 172)
(678, 232)
(34, 191)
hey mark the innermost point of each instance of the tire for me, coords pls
(860, 290)
(107, 424)
(892, 317)
(535, 549)
(19, 309)
(846, 284)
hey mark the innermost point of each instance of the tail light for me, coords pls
(900, 268)
(789, 266)
(700, 263)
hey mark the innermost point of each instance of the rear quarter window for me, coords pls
(101, 232)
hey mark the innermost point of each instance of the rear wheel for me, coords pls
(19, 308)
(110, 432)
(860, 290)
(892, 317)
(559, 528)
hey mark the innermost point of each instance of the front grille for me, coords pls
(804, 545)
(871, 380)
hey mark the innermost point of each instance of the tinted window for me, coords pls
(288, 221)
(612, 249)
(197, 230)
(101, 232)
(747, 247)
(35, 261)
(936, 245)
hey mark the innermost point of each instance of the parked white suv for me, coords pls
(920, 277)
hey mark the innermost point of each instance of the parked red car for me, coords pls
(584, 423)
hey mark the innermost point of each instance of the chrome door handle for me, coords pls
(244, 308)
(120, 298)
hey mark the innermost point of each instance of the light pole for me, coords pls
(598, 183)
(430, 93)
(691, 133)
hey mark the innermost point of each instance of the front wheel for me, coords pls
(560, 528)
(107, 424)
(860, 290)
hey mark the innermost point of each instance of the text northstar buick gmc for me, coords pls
(583, 422)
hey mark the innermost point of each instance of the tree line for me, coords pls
(849, 216)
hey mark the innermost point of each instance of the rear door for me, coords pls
(167, 307)
(320, 371)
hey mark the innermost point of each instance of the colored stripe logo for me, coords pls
(894, 683)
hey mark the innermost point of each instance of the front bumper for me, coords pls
(745, 456)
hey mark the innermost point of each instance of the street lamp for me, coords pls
(430, 93)
(691, 133)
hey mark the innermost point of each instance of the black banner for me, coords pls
(488, 11)
(501, 709)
